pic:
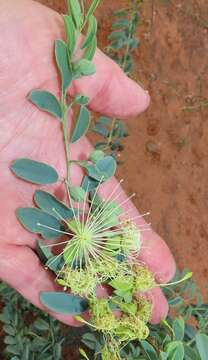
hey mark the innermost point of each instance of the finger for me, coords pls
(159, 305)
(22, 270)
(110, 91)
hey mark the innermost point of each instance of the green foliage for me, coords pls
(46, 101)
(113, 131)
(123, 42)
(91, 32)
(92, 8)
(76, 12)
(82, 124)
(202, 345)
(77, 193)
(34, 171)
(63, 303)
(61, 53)
(91, 49)
(103, 169)
(49, 204)
(43, 252)
(82, 68)
(39, 222)
(123, 39)
(70, 33)
(29, 334)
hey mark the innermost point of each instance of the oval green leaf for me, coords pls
(62, 60)
(55, 263)
(92, 8)
(150, 352)
(34, 171)
(39, 222)
(175, 350)
(96, 155)
(90, 50)
(46, 101)
(179, 328)
(202, 345)
(75, 10)
(91, 32)
(44, 252)
(82, 124)
(77, 193)
(81, 100)
(63, 303)
(103, 169)
(52, 206)
(89, 184)
(83, 67)
(70, 31)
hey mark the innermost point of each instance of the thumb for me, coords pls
(111, 91)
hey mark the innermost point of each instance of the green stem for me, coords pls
(65, 128)
(111, 131)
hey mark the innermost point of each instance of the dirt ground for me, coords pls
(167, 150)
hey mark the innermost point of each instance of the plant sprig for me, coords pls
(100, 239)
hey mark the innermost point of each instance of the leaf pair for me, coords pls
(99, 172)
(46, 219)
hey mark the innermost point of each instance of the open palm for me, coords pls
(28, 31)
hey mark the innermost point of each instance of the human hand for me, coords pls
(28, 31)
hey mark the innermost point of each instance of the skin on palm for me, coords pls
(28, 31)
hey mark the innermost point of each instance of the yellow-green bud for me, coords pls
(102, 316)
(144, 279)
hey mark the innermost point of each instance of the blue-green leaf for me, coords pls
(91, 49)
(52, 206)
(101, 130)
(92, 8)
(103, 169)
(149, 350)
(121, 23)
(62, 61)
(96, 155)
(55, 263)
(83, 67)
(81, 100)
(91, 32)
(46, 101)
(163, 356)
(34, 171)
(44, 252)
(179, 328)
(89, 184)
(191, 354)
(202, 345)
(77, 193)
(92, 341)
(71, 33)
(115, 35)
(75, 10)
(37, 221)
(82, 124)
(175, 350)
(104, 120)
(63, 303)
